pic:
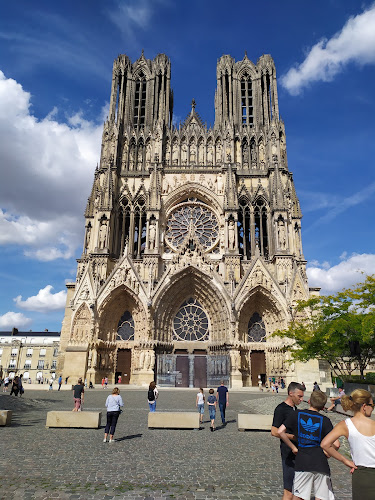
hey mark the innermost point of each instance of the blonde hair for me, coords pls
(116, 390)
(355, 401)
(318, 400)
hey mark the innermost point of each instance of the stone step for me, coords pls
(78, 419)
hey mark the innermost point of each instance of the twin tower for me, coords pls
(192, 253)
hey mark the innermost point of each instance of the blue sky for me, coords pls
(55, 74)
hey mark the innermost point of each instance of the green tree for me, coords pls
(339, 329)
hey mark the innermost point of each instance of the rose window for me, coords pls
(190, 220)
(256, 329)
(190, 322)
(125, 329)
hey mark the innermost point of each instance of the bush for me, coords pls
(369, 379)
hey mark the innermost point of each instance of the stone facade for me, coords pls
(192, 253)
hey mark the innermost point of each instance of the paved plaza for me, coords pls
(41, 463)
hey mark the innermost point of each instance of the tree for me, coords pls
(339, 329)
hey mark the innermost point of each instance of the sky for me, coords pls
(55, 78)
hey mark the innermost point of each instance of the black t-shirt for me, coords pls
(310, 427)
(280, 416)
(78, 390)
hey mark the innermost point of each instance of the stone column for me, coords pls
(191, 370)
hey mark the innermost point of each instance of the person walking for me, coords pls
(20, 385)
(152, 396)
(15, 386)
(223, 398)
(50, 384)
(106, 382)
(360, 432)
(59, 381)
(6, 383)
(113, 404)
(78, 395)
(200, 404)
(281, 413)
(212, 402)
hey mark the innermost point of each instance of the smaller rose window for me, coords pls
(256, 329)
(125, 329)
(190, 322)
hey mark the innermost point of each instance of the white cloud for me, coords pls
(44, 301)
(132, 15)
(354, 43)
(11, 320)
(348, 272)
(46, 169)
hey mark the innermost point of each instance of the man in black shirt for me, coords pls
(312, 473)
(281, 413)
(78, 394)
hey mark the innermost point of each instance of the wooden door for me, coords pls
(200, 371)
(182, 366)
(258, 366)
(124, 359)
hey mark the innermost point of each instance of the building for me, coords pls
(34, 354)
(192, 252)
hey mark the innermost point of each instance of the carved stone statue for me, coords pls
(231, 235)
(152, 235)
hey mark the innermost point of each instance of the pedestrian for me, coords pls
(336, 400)
(223, 398)
(152, 396)
(105, 382)
(15, 387)
(282, 382)
(312, 476)
(360, 432)
(66, 380)
(114, 404)
(6, 383)
(276, 384)
(260, 385)
(200, 404)
(281, 413)
(119, 379)
(20, 386)
(86, 383)
(50, 384)
(59, 382)
(78, 395)
(212, 402)
(316, 387)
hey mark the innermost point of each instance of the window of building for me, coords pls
(14, 352)
(247, 110)
(190, 322)
(40, 364)
(256, 329)
(12, 363)
(55, 352)
(54, 364)
(125, 330)
(140, 101)
(27, 364)
(29, 352)
(43, 352)
(261, 227)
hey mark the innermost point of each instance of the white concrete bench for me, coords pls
(173, 420)
(79, 419)
(5, 417)
(254, 422)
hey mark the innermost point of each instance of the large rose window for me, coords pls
(192, 220)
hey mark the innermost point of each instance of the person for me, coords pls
(152, 396)
(113, 404)
(103, 380)
(316, 387)
(119, 379)
(6, 383)
(78, 395)
(15, 386)
(336, 400)
(360, 433)
(20, 386)
(50, 384)
(223, 398)
(282, 382)
(106, 382)
(312, 474)
(200, 404)
(59, 381)
(66, 380)
(212, 402)
(91, 386)
(281, 413)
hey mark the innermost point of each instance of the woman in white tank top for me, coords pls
(360, 432)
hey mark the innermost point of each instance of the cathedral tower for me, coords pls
(192, 254)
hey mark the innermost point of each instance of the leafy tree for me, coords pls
(339, 329)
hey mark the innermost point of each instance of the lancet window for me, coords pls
(140, 101)
(190, 322)
(247, 110)
(261, 227)
(124, 224)
(125, 327)
(244, 233)
(139, 242)
(256, 330)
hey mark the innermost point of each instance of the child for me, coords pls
(312, 471)
(200, 404)
(212, 401)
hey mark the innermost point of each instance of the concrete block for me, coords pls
(5, 417)
(254, 422)
(79, 419)
(173, 420)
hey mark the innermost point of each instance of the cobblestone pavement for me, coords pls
(41, 463)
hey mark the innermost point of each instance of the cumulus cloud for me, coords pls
(354, 43)
(11, 320)
(44, 301)
(46, 169)
(348, 272)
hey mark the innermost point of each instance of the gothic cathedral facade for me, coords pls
(192, 252)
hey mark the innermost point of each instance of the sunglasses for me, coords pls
(371, 404)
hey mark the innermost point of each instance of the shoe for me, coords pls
(104, 440)
(212, 429)
(111, 441)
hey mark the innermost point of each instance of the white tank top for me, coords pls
(362, 447)
(200, 398)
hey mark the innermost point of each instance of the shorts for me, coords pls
(201, 409)
(312, 483)
(212, 412)
(288, 473)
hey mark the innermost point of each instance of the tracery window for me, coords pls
(244, 233)
(139, 228)
(125, 328)
(256, 329)
(140, 101)
(247, 110)
(261, 229)
(190, 322)
(192, 219)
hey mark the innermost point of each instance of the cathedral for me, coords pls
(192, 253)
